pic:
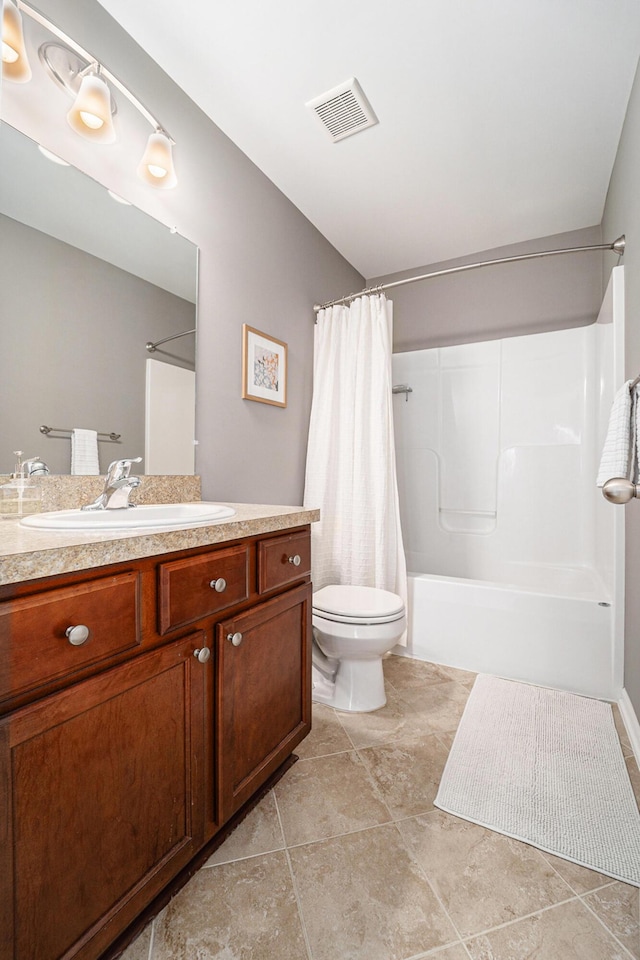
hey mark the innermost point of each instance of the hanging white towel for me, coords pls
(84, 452)
(619, 454)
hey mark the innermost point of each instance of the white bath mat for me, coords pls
(545, 767)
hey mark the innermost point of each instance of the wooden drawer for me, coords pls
(277, 560)
(34, 645)
(190, 589)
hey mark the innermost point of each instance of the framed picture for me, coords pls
(264, 367)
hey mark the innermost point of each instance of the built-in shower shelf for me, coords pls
(470, 513)
(468, 521)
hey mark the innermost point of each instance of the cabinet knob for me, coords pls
(235, 638)
(296, 561)
(219, 585)
(202, 654)
(77, 635)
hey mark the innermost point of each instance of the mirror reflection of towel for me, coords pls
(84, 452)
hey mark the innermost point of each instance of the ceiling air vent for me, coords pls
(344, 110)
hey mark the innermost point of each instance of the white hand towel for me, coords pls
(619, 457)
(84, 452)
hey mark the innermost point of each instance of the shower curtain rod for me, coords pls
(617, 246)
(152, 346)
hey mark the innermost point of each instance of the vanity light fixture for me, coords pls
(15, 63)
(90, 116)
(52, 156)
(156, 166)
(119, 199)
(90, 84)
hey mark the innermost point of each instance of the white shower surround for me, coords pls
(513, 554)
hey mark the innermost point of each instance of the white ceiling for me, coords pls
(499, 119)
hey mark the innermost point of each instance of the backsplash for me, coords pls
(65, 492)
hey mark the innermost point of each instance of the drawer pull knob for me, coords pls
(219, 585)
(202, 654)
(77, 635)
(296, 561)
(235, 638)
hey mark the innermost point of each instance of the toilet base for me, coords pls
(358, 686)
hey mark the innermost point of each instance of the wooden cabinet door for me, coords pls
(263, 701)
(101, 802)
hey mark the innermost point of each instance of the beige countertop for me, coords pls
(27, 553)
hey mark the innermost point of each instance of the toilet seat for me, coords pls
(358, 605)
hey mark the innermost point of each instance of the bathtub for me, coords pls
(518, 560)
(553, 628)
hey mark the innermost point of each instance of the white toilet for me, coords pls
(353, 627)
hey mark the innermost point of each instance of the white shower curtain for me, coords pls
(351, 468)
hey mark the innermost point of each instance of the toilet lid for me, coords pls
(357, 604)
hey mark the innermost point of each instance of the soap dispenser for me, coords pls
(22, 495)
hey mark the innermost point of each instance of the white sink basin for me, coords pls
(167, 516)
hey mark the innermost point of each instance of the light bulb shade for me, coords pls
(15, 65)
(156, 166)
(90, 116)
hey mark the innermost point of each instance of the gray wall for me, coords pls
(72, 346)
(622, 215)
(261, 262)
(502, 301)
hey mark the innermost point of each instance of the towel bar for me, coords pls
(619, 490)
(108, 437)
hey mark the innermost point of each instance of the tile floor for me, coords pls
(348, 859)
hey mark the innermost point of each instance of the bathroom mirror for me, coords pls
(85, 283)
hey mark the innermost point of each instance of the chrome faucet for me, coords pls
(117, 487)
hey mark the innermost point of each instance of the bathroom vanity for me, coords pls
(149, 686)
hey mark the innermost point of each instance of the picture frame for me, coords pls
(264, 367)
